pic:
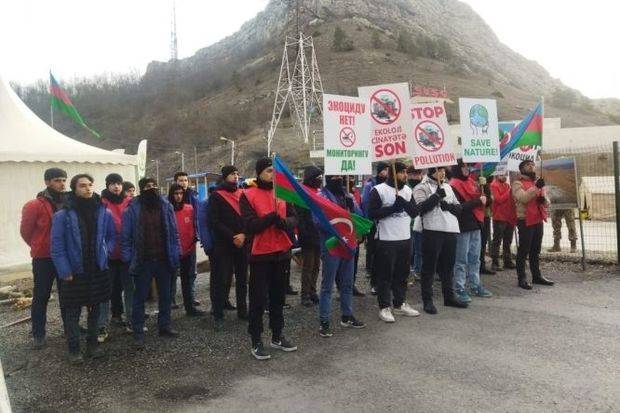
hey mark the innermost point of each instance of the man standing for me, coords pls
(335, 267)
(35, 229)
(82, 234)
(190, 197)
(267, 221)
(229, 255)
(556, 222)
(184, 215)
(438, 209)
(531, 203)
(485, 232)
(468, 241)
(392, 206)
(309, 240)
(122, 283)
(504, 221)
(150, 245)
(129, 189)
(382, 173)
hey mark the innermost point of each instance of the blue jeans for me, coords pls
(467, 263)
(416, 260)
(44, 274)
(343, 269)
(163, 274)
(121, 270)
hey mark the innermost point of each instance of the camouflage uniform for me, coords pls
(556, 221)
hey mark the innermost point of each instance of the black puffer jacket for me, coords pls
(308, 234)
(467, 220)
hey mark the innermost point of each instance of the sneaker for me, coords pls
(138, 342)
(351, 322)
(357, 292)
(430, 308)
(228, 306)
(129, 329)
(324, 330)
(373, 291)
(103, 335)
(406, 310)
(196, 303)
(259, 352)
(75, 358)
(94, 351)
(454, 302)
(482, 292)
(286, 307)
(283, 344)
(169, 333)
(117, 321)
(314, 298)
(463, 296)
(290, 291)
(39, 343)
(386, 315)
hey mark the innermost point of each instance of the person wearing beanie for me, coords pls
(414, 177)
(115, 200)
(532, 203)
(190, 197)
(229, 240)
(335, 267)
(267, 221)
(392, 207)
(504, 221)
(309, 240)
(379, 178)
(150, 245)
(184, 215)
(439, 210)
(468, 242)
(35, 229)
(82, 234)
(129, 189)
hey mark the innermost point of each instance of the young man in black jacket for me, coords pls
(226, 223)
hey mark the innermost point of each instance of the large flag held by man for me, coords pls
(61, 101)
(343, 226)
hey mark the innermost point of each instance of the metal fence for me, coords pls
(596, 217)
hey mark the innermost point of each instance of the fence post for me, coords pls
(617, 196)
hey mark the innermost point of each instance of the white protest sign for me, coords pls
(346, 131)
(520, 154)
(390, 124)
(433, 146)
(479, 130)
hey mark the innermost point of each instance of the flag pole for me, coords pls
(51, 114)
(542, 123)
(394, 175)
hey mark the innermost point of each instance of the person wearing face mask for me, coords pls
(379, 178)
(82, 234)
(35, 229)
(504, 221)
(334, 267)
(392, 207)
(439, 210)
(531, 204)
(414, 177)
(150, 245)
(468, 241)
(309, 240)
(267, 220)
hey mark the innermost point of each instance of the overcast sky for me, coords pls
(575, 41)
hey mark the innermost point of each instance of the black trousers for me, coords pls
(226, 262)
(438, 255)
(44, 274)
(392, 261)
(267, 283)
(187, 269)
(502, 236)
(530, 243)
(116, 268)
(485, 236)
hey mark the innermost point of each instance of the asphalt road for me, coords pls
(547, 350)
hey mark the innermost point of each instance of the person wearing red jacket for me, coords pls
(185, 217)
(115, 200)
(35, 229)
(504, 220)
(532, 203)
(267, 221)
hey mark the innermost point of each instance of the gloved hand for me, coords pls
(350, 205)
(441, 192)
(444, 206)
(540, 183)
(541, 200)
(272, 218)
(482, 180)
(400, 203)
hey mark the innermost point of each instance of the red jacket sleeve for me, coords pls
(499, 197)
(29, 220)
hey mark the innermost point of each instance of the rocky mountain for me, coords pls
(227, 89)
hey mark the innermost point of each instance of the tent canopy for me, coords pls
(24, 137)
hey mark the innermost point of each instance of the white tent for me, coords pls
(598, 194)
(28, 146)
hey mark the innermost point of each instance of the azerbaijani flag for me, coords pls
(528, 132)
(343, 226)
(61, 101)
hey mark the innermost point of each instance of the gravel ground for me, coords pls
(551, 349)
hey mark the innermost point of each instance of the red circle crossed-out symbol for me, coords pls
(429, 136)
(385, 106)
(347, 137)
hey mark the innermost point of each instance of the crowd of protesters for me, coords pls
(104, 251)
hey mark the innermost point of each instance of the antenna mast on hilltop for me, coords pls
(174, 52)
(299, 85)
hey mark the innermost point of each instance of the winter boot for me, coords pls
(556, 246)
(573, 246)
